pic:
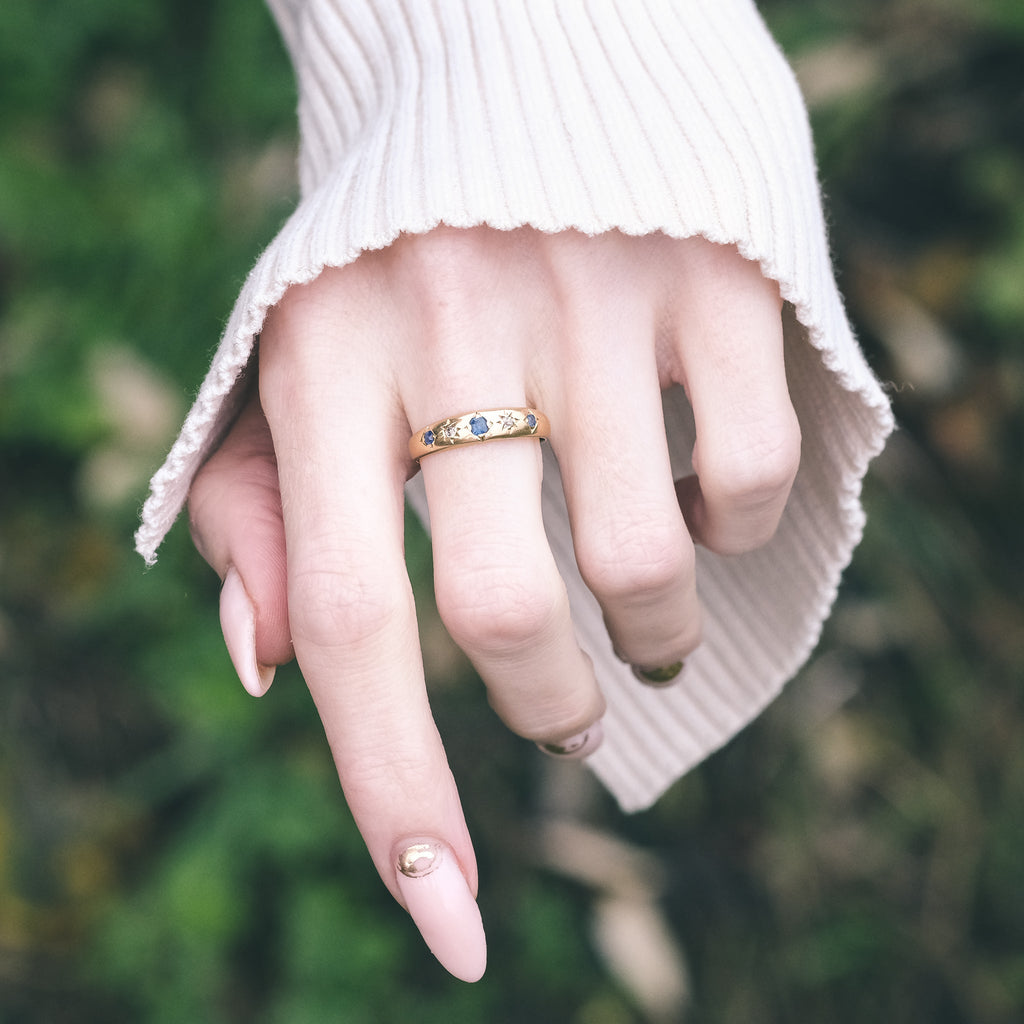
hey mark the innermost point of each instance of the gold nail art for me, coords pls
(658, 676)
(419, 859)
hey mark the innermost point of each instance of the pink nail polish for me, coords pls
(238, 624)
(576, 747)
(440, 903)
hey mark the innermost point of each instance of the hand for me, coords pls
(589, 330)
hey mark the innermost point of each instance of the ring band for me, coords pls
(481, 425)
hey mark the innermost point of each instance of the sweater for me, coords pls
(674, 116)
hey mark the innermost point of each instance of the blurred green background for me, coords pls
(171, 850)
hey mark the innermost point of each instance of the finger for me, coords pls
(747, 451)
(351, 608)
(235, 519)
(498, 588)
(500, 594)
(631, 542)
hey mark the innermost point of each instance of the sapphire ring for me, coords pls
(481, 425)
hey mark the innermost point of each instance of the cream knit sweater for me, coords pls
(636, 115)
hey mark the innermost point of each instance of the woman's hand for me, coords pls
(587, 329)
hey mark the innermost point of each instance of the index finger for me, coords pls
(353, 619)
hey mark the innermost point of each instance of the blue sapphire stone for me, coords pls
(428, 437)
(531, 420)
(479, 426)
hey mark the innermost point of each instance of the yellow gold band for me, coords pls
(481, 425)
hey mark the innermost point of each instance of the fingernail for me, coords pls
(583, 744)
(658, 677)
(238, 624)
(438, 899)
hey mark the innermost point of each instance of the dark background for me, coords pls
(171, 850)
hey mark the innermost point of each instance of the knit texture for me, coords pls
(642, 116)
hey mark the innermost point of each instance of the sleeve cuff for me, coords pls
(680, 118)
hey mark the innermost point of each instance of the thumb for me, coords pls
(236, 522)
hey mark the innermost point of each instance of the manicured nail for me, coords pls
(238, 624)
(583, 744)
(658, 677)
(440, 903)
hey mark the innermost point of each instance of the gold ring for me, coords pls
(481, 425)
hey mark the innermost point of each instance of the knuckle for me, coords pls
(342, 608)
(497, 610)
(646, 556)
(453, 267)
(748, 489)
(226, 513)
(758, 473)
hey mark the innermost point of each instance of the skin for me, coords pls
(588, 329)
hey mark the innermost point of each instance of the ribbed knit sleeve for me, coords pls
(637, 115)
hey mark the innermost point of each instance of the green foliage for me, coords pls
(171, 850)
